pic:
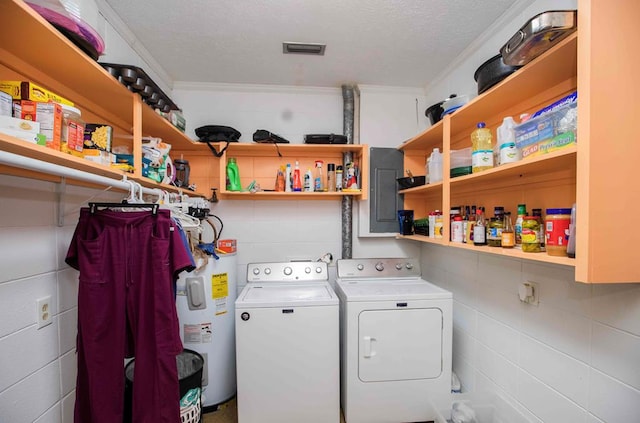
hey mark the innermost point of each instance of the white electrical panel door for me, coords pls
(404, 344)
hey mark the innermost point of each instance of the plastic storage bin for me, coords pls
(488, 407)
(460, 163)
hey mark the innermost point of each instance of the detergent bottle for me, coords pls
(233, 176)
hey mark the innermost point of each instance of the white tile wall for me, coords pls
(558, 360)
(32, 396)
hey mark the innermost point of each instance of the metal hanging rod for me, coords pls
(23, 162)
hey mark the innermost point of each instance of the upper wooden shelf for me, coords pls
(38, 152)
(48, 58)
(553, 67)
(426, 140)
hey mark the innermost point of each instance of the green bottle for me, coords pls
(233, 176)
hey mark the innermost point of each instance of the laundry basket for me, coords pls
(190, 366)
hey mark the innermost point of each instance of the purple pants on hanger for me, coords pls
(128, 262)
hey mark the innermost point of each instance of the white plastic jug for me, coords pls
(435, 166)
(509, 153)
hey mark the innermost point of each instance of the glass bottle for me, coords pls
(538, 214)
(494, 230)
(517, 228)
(508, 236)
(479, 229)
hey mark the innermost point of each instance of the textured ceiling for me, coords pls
(375, 42)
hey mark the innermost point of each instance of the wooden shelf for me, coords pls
(535, 166)
(259, 162)
(273, 195)
(554, 67)
(38, 152)
(429, 189)
(543, 181)
(426, 140)
(49, 59)
(485, 249)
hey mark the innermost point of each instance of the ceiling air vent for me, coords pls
(303, 48)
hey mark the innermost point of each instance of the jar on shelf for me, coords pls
(530, 234)
(557, 231)
(494, 229)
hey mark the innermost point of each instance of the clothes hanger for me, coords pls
(131, 202)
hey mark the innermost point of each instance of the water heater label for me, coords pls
(198, 334)
(220, 292)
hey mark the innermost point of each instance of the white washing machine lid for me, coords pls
(286, 294)
(390, 289)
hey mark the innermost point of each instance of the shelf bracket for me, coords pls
(60, 190)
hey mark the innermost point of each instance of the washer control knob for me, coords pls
(409, 266)
(267, 271)
(307, 270)
(256, 271)
(288, 271)
(399, 266)
(360, 267)
(379, 266)
(318, 269)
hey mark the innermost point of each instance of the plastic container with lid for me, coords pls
(557, 231)
(457, 232)
(72, 139)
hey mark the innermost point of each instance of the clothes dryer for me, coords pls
(396, 335)
(287, 345)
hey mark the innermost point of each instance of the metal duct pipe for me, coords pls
(347, 201)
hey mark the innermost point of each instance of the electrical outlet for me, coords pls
(43, 308)
(529, 293)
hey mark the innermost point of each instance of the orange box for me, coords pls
(227, 245)
(48, 115)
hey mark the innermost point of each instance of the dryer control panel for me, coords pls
(294, 271)
(387, 268)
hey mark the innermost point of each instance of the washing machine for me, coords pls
(395, 336)
(287, 345)
(205, 302)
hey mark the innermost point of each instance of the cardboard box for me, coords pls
(6, 104)
(48, 115)
(227, 245)
(98, 136)
(99, 156)
(548, 132)
(26, 90)
(23, 129)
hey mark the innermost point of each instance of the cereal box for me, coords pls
(26, 90)
(48, 115)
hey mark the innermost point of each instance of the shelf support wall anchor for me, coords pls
(60, 190)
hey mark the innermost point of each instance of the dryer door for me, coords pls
(399, 344)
